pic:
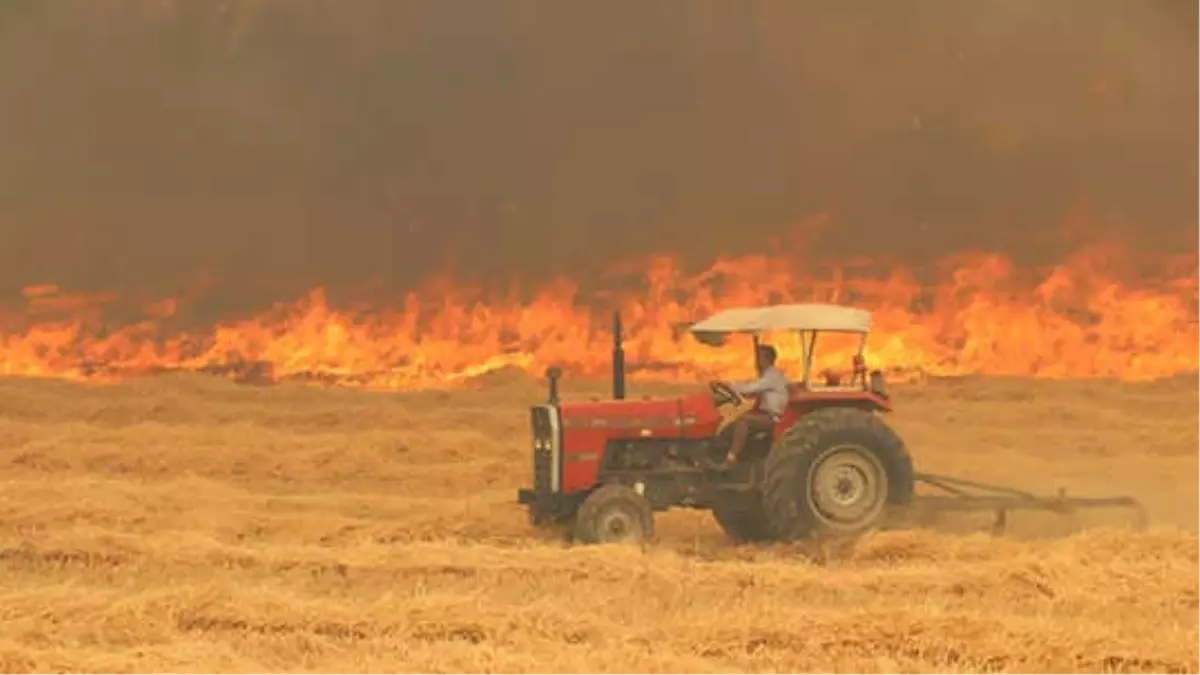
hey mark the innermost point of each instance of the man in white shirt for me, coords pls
(771, 388)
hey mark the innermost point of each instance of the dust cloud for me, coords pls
(322, 142)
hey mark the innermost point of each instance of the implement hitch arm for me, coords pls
(959, 494)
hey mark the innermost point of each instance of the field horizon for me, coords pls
(183, 523)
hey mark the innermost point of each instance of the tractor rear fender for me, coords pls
(806, 403)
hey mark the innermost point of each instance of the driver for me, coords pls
(771, 388)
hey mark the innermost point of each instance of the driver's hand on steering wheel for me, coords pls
(724, 393)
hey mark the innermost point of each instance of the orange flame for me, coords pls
(1099, 314)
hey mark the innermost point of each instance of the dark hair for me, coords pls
(766, 355)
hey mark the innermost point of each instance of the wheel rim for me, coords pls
(847, 487)
(618, 526)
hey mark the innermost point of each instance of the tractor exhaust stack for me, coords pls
(552, 375)
(618, 360)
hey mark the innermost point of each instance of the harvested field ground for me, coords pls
(184, 523)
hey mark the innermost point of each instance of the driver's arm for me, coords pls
(750, 388)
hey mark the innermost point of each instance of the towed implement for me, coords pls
(830, 466)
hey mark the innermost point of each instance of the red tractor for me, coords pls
(830, 466)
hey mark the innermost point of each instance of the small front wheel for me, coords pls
(614, 514)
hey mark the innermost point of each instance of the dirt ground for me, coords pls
(185, 523)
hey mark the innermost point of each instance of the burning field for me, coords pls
(186, 523)
(157, 519)
(1104, 311)
(159, 514)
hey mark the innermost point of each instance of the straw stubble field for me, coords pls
(183, 523)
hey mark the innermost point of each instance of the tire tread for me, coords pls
(785, 489)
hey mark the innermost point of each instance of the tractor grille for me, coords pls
(545, 440)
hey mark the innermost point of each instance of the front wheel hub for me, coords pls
(617, 527)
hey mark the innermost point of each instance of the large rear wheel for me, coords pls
(835, 472)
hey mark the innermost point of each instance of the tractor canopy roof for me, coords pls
(815, 317)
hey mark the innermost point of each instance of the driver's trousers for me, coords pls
(750, 420)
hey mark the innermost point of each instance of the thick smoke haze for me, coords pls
(328, 141)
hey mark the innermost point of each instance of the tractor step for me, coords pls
(738, 478)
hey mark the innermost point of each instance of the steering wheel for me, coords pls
(723, 394)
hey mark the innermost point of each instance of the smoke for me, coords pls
(320, 141)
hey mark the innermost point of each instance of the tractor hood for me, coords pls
(648, 417)
(626, 411)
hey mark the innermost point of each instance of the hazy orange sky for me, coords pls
(327, 141)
